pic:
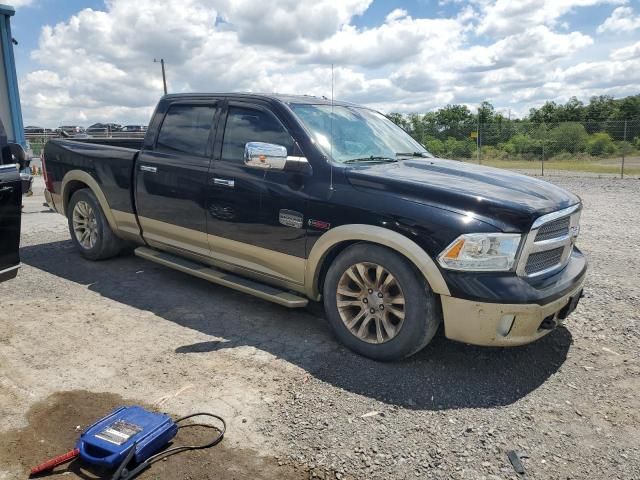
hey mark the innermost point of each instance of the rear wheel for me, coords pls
(89, 228)
(378, 304)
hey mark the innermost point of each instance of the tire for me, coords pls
(101, 243)
(410, 313)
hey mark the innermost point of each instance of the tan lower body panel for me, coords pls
(222, 278)
(223, 252)
(127, 226)
(489, 324)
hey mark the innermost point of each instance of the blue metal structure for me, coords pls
(10, 96)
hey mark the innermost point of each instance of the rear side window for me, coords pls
(248, 125)
(186, 129)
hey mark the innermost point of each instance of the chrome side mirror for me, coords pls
(265, 155)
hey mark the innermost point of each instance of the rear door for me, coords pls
(171, 178)
(10, 210)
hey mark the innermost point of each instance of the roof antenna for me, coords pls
(331, 136)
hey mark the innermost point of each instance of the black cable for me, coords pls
(183, 448)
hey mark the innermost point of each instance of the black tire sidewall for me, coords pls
(420, 321)
(87, 195)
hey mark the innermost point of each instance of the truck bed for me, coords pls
(110, 161)
(129, 142)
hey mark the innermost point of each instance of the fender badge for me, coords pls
(319, 224)
(290, 218)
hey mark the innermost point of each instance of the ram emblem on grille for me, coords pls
(574, 232)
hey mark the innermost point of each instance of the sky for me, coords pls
(86, 61)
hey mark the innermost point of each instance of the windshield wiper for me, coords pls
(372, 158)
(413, 154)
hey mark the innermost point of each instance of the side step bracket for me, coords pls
(213, 275)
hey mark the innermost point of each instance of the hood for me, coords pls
(507, 200)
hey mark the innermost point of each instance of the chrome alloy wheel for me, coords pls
(370, 302)
(85, 225)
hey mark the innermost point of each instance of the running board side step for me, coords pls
(213, 275)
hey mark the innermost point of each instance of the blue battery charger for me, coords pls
(129, 440)
(107, 442)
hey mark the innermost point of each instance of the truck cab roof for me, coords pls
(271, 97)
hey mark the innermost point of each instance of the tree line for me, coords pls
(603, 127)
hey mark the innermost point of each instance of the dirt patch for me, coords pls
(53, 429)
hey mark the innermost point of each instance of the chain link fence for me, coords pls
(607, 148)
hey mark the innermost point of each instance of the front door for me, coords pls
(171, 179)
(243, 228)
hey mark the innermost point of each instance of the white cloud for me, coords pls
(627, 53)
(98, 65)
(621, 20)
(396, 14)
(507, 16)
(284, 22)
(397, 40)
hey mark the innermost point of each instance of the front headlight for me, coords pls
(495, 252)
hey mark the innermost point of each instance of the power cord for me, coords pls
(183, 448)
(123, 473)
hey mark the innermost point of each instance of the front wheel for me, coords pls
(378, 304)
(89, 228)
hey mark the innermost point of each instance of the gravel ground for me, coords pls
(298, 404)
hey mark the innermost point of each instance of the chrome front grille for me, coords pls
(540, 261)
(548, 246)
(555, 229)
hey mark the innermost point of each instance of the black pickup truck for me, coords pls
(292, 198)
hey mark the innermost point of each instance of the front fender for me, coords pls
(373, 234)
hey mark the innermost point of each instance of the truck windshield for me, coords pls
(352, 135)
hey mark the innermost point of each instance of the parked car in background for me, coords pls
(97, 129)
(103, 129)
(70, 129)
(134, 128)
(291, 198)
(32, 130)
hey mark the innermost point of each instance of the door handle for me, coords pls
(223, 182)
(6, 189)
(147, 168)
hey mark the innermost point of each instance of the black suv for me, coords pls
(12, 159)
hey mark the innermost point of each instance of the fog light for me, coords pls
(506, 323)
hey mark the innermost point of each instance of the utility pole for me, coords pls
(624, 148)
(478, 139)
(164, 76)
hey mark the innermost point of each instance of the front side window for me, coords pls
(186, 129)
(248, 125)
(349, 134)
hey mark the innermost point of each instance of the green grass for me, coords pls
(589, 166)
